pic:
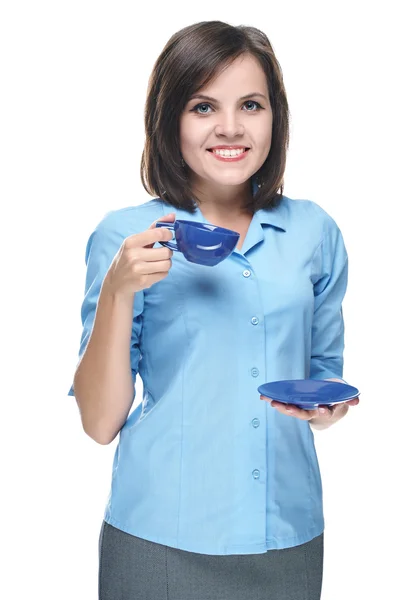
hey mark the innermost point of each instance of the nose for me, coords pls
(229, 125)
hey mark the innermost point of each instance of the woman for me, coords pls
(214, 495)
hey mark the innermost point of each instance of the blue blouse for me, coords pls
(202, 464)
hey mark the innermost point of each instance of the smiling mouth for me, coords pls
(227, 152)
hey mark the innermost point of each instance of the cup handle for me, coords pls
(170, 226)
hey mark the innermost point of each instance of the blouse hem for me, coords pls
(261, 548)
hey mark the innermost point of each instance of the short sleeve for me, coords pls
(102, 246)
(329, 277)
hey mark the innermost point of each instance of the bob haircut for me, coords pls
(191, 58)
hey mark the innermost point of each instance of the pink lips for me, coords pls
(230, 158)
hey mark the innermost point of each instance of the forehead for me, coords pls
(244, 74)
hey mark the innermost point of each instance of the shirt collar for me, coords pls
(273, 216)
(276, 217)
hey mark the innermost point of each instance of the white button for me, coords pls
(256, 422)
(254, 321)
(256, 474)
(255, 372)
(246, 273)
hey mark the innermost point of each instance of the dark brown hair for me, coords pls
(191, 58)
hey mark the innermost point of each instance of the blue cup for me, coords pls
(201, 243)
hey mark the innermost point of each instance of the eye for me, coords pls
(252, 102)
(201, 109)
(200, 106)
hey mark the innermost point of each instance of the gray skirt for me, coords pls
(131, 568)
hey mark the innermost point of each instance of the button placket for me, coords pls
(256, 341)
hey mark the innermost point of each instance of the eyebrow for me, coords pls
(203, 97)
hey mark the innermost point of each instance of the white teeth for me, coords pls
(229, 153)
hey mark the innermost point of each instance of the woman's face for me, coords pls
(233, 110)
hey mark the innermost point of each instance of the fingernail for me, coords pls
(289, 408)
(323, 410)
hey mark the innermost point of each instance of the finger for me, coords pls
(157, 234)
(339, 410)
(148, 238)
(156, 277)
(353, 401)
(326, 411)
(154, 254)
(265, 398)
(290, 409)
(147, 268)
(170, 218)
(293, 411)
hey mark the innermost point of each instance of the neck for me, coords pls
(227, 201)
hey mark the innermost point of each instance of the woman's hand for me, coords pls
(137, 265)
(320, 418)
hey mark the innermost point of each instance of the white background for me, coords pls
(74, 77)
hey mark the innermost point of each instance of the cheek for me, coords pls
(192, 133)
(186, 133)
(195, 133)
(184, 137)
(265, 134)
(264, 129)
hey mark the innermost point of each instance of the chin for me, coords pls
(232, 178)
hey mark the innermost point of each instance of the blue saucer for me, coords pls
(308, 393)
